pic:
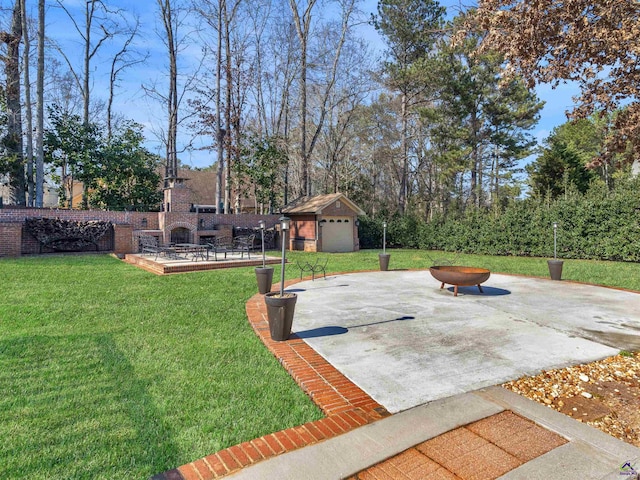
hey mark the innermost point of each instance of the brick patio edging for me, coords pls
(345, 405)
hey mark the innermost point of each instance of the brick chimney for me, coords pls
(177, 197)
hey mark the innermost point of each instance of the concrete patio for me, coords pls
(367, 344)
(406, 342)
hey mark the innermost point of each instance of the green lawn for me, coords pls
(108, 371)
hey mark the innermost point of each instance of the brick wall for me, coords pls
(303, 226)
(246, 220)
(302, 235)
(10, 239)
(9, 214)
(126, 224)
(30, 245)
(123, 239)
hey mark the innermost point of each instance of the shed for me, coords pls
(324, 223)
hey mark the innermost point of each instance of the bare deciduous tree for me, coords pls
(302, 22)
(125, 58)
(98, 25)
(12, 142)
(27, 105)
(40, 107)
(171, 42)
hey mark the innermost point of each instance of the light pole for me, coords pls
(284, 226)
(264, 275)
(262, 225)
(384, 238)
(555, 265)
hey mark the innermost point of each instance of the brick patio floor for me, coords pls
(482, 450)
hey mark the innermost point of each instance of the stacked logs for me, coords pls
(66, 235)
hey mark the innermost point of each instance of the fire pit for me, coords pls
(460, 276)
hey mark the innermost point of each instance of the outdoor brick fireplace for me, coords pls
(178, 222)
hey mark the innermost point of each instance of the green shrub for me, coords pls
(370, 232)
(598, 225)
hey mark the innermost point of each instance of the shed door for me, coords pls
(337, 234)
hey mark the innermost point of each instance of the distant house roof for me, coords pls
(202, 184)
(316, 204)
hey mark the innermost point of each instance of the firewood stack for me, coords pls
(66, 235)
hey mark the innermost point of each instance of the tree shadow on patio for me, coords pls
(336, 330)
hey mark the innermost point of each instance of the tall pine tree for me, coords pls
(410, 29)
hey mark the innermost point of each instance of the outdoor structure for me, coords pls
(179, 221)
(324, 223)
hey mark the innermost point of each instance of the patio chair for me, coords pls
(243, 244)
(304, 267)
(149, 245)
(219, 246)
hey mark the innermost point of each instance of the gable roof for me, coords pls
(317, 203)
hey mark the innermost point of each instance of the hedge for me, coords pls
(598, 225)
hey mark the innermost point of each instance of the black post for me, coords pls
(284, 226)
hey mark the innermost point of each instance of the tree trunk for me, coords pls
(227, 110)
(475, 162)
(171, 169)
(13, 139)
(304, 159)
(89, 6)
(302, 27)
(496, 178)
(172, 154)
(220, 132)
(27, 106)
(40, 108)
(402, 196)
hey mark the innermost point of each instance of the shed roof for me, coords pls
(317, 203)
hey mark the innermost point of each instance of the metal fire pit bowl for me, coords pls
(460, 276)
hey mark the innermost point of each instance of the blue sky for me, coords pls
(557, 101)
(132, 102)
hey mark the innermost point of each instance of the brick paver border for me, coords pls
(188, 266)
(345, 405)
(507, 437)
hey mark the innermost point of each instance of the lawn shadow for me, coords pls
(78, 397)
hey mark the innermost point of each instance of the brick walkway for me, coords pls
(482, 450)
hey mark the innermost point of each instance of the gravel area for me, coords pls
(604, 394)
